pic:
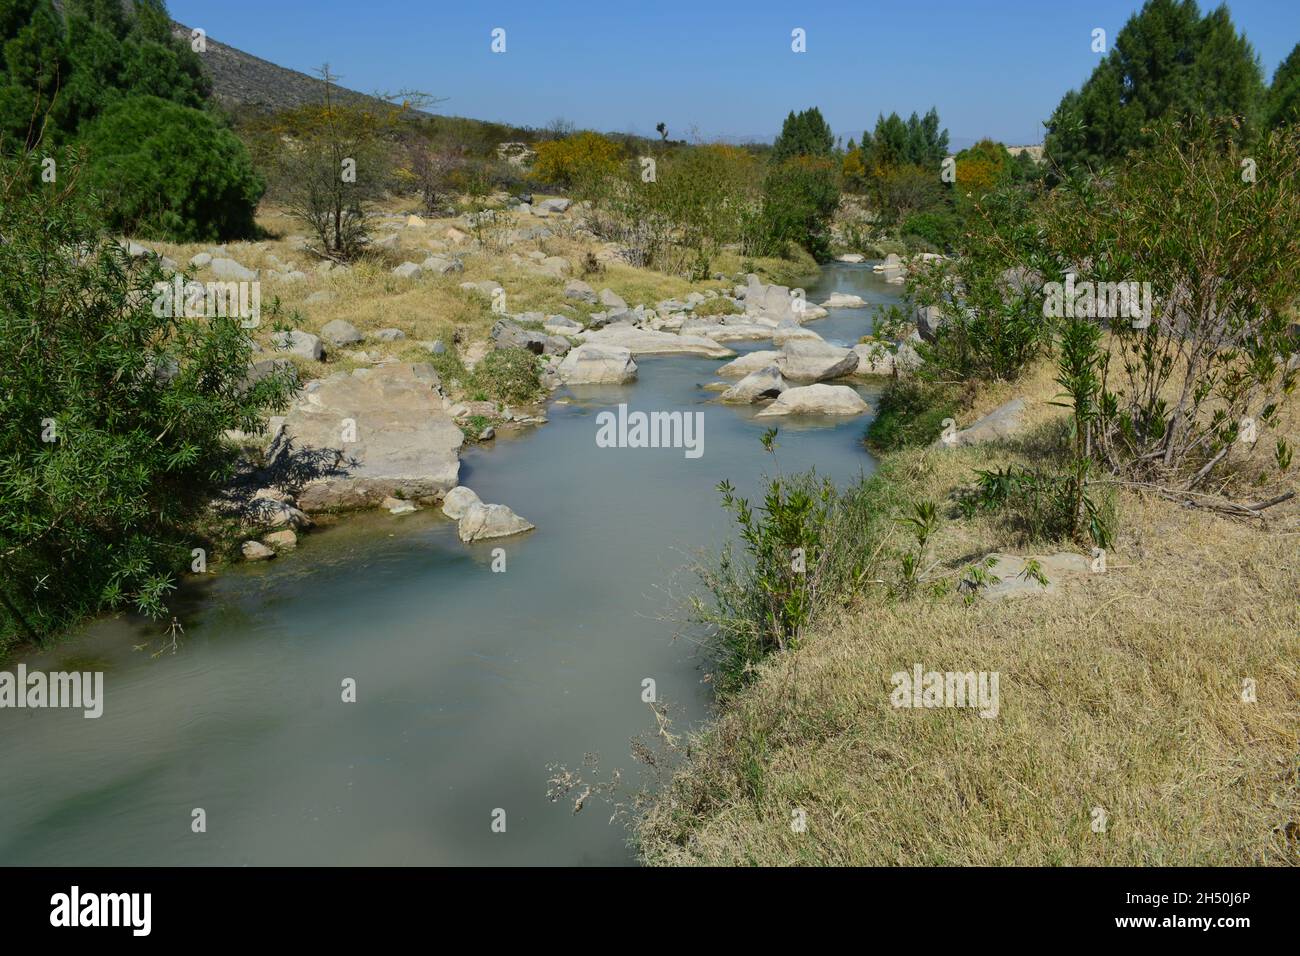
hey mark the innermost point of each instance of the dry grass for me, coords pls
(1122, 691)
(430, 307)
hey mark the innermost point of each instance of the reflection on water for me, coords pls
(470, 683)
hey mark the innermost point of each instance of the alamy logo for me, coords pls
(923, 688)
(1098, 300)
(103, 909)
(651, 430)
(75, 690)
(179, 299)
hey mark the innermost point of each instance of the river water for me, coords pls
(470, 683)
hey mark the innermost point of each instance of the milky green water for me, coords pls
(470, 683)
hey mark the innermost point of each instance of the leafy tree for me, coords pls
(61, 71)
(33, 67)
(1282, 106)
(799, 198)
(170, 171)
(578, 161)
(804, 134)
(1217, 350)
(1168, 61)
(111, 416)
(332, 161)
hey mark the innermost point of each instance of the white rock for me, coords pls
(457, 502)
(816, 400)
(807, 361)
(597, 365)
(482, 521)
(765, 383)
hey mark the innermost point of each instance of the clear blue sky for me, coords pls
(725, 69)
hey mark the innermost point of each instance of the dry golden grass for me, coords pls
(1121, 691)
(430, 307)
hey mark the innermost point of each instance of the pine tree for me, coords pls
(1282, 106)
(804, 134)
(1168, 61)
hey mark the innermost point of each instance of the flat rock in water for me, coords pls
(844, 300)
(756, 386)
(598, 365)
(749, 362)
(365, 436)
(817, 400)
(649, 342)
(803, 360)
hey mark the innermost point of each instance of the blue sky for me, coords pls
(716, 69)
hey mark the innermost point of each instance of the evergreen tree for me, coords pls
(1282, 107)
(804, 134)
(1168, 60)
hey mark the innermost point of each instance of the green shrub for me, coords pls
(808, 547)
(938, 228)
(799, 198)
(717, 306)
(171, 172)
(111, 417)
(508, 375)
(910, 412)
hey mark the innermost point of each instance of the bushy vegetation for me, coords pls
(110, 80)
(111, 418)
(1168, 63)
(167, 171)
(508, 376)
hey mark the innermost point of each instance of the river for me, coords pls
(470, 683)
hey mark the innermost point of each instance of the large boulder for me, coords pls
(482, 521)
(756, 386)
(368, 435)
(726, 331)
(578, 290)
(340, 332)
(650, 342)
(303, 344)
(928, 319)
(598, 365)
(458, 501)
(612, 300)
(1003, 422)
(228, 270)
(844, 300)
(749, 362)
(874, 358)
(808, 361)
(817, 400)
(789, 331)
(555, 204)
(506, 333)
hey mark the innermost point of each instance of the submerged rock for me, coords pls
(650, 342)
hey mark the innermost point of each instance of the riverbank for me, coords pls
(474, 676)
(1146, 714)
